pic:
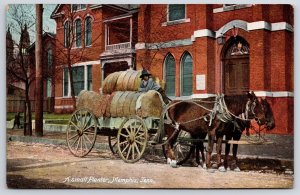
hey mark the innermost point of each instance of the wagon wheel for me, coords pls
(81, 132)
(182, 151)
(132, 139)
(112, 143)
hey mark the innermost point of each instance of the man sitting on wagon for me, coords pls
(149, 84)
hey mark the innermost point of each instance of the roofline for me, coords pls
(95, 6)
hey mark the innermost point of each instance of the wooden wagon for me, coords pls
(129, 118)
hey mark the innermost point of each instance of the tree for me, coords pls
(74, 36)
(20, 19)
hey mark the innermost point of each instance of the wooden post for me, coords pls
(39, 72)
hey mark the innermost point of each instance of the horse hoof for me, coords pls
(204, 166)
(169, 161)
(237, 169)
(222, 169)
(210, 170)
(173, 164)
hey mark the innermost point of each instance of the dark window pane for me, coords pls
(67, 34)
(49, 58)
(170, 75)
(90, 78)
(66, 82)
(78, 33)
(176, 12)
(187, 75)
(78, 79)
(88, 31)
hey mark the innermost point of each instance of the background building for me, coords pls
(199, 50)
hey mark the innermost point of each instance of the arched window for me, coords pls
(88, 31)
(78, 33)
(186, 75)
(67, 34)
(170, 75)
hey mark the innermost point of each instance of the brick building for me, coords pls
(199, 50)
(99, 39)
(48, 41)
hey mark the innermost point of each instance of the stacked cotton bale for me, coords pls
(151, 104)
(122, 81)
(123, 104)
(93, 101)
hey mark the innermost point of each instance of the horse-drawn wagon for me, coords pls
(129, 118)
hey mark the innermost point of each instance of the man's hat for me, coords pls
(145, 73)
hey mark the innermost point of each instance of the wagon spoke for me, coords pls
(79, 140)
(84, 142)
(139, 142)
(73, 136)
(75, 125)
(128, 152)
(125, 148)
(138, 130)
(141, 136)
(137, 148)
(127, 131)
(124, 135)
(88, 138)
(122, 142)
(87, 128)
(86, 123)
(74, 141)
(132, 152)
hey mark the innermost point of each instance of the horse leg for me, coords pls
(171, 159)
(211, 137)
(219, 153)
(227, 151)
(234, 152)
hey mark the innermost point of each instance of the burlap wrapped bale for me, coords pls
(129, 81)
(123, 104)
(109, 83)
(93, 101)
(151, 104)
(109, 100)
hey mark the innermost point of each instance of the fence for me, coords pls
(19, 105)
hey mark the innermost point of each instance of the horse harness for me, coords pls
(219, 110)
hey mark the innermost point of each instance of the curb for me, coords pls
(58, 142)
(105, 146)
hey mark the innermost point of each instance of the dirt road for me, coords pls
(48, 166)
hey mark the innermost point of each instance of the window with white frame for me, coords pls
(82, 79)
(170, 75)
(78, 79)
(77, 7)
(78, 33)
(176, 12)
(88, 31)
(186, 75)
(67, 34)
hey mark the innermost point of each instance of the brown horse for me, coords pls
(210, 117)
(235, 129)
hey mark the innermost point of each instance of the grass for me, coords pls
(52, 116)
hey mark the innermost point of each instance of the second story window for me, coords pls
(88, 31)
(76, 7)
(78, 33)
(67, 34)
(176, 12)
(49, 58)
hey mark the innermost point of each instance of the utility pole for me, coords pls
(39, 96)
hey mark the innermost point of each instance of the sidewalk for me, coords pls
(282, 147)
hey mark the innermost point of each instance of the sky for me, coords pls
(49, 25)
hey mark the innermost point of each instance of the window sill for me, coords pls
(230, 8)
(181, 21)
(77, 47)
